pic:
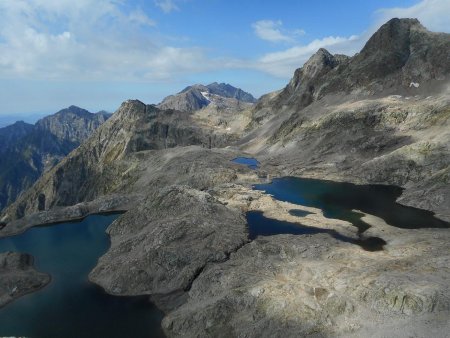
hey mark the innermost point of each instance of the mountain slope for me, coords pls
(29, 150)
(401, 58)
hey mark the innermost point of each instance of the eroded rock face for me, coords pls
(159, 247)
(18, 277)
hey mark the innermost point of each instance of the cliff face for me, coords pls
(29, 150)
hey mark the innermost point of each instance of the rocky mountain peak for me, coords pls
(400, 57)
(74, 124)
(319, 62)
(393, 36)
(196, 86)
(227, 90)
(389, 48)
(198, 96)
(73, 110)
(133, 110)
(10, 135)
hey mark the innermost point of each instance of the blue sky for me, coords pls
(98, 53)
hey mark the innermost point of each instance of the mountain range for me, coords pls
(29, 150)
(379, 117)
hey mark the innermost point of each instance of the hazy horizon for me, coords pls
(147, 50)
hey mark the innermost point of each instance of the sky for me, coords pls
(97, 53)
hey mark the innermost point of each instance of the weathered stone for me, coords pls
(18, 277)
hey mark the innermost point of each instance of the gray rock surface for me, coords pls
(359, 119)
(389, 140)
(18, 277)
(312, 285)
(160, 246)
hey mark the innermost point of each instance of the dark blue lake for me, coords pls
(338, 200)
(71, 306)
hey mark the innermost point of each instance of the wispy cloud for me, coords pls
(272, 31)
(88, 40)
(167, 6)
(139, 17)
(433, 14)
(283, 63)
(42, 39)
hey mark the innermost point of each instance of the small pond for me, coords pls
(248, 161)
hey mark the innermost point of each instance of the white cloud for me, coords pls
(139, 17)
(106, 40)
(433, 14)
(167, 6)
(283, 63)
(87, 40)
(299, 32)
(270, 30)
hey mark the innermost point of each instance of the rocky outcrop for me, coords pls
(159, 247)
(18, 276)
